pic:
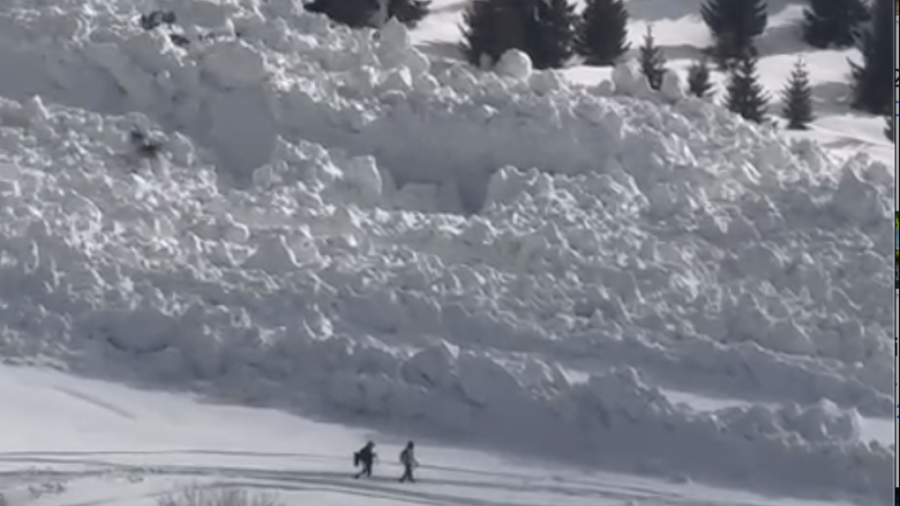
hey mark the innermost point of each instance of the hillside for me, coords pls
(284, 214)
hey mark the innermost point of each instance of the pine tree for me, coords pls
(492, 27)
(698, 80)
(603, 32)
(745, 94)
(734, 25)
(889, 128)
(872, 90)
(797, 98)
(653, 63)
(409, 12)
(550, 34)
(833, 22)
(353, 13)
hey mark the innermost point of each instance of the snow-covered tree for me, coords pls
(872, 81)
(492, 27)
(603, 32)
(698, 79)
(653, 63)
(833, 22)
(734, 24)
(745, 94)
(797, 98)
(550, 34)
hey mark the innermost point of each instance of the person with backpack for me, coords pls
(366, 456)
(408, 459)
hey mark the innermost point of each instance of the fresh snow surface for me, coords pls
(347, 228)
(114, 445)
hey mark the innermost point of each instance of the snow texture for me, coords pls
(333, 225)
(122, 446)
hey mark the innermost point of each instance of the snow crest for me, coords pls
(335, 224)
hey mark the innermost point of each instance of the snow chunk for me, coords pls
(856, 199)
(432, 367)
(363, 176)
(547, 82)
(394, 37)
(397, 80)
(625, 78)
(234, 64)
(514, 64)
(672, 89)
(273, 256)
(418, 64)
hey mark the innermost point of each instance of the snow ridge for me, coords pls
(464, 240)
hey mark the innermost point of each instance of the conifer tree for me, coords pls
(797, 98)
(833, 22)
(698, 80)
(745, 95)
(360, 13)
(872, 89)
(409, 12)
(653, 63)
(889, 128)
(492, 27)
(734, 24)
(603, 32)
(550, 33)
(352, 13)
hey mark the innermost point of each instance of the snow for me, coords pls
(514, 64)
(351, 228)
(119, 445)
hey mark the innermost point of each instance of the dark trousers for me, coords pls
(366, 470)
(407, 473)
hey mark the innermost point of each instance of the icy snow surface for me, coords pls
(339, 228)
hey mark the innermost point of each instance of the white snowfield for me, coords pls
(346, 228)
(114, 445)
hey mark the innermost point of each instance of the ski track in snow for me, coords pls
(383, 487)
(345, 227)
(57, 471)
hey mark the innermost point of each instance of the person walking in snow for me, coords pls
(366, 457)
(408, 459)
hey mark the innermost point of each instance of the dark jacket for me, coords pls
(366, 455)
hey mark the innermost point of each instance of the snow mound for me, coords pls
(514, 64)
(331, 223)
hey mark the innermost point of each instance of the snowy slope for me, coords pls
(348, 229)
(115, 445)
